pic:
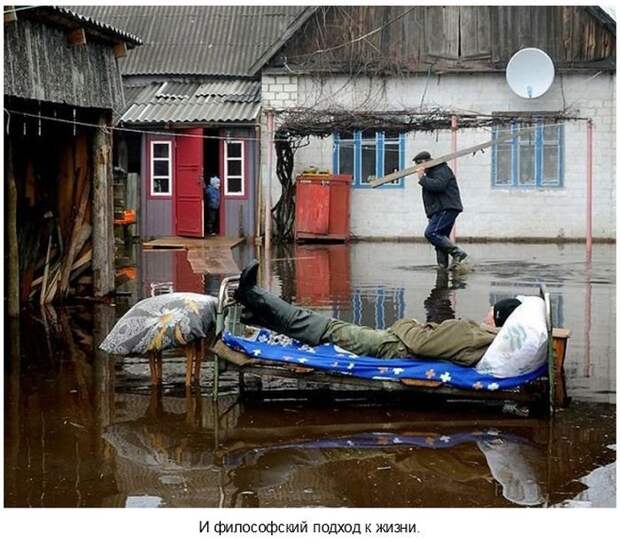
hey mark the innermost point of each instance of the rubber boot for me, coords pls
(457, 254)
(278, 315)
(443, 259)
(247, 280)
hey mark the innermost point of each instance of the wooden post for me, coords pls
(103, 225)
(11, 224)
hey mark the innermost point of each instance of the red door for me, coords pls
(188, 199)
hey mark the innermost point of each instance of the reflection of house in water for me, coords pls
(169, 266)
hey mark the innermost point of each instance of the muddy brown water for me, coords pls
(83, 429)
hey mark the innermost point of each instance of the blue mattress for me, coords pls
(327, 357)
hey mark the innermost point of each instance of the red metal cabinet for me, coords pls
(322, 207)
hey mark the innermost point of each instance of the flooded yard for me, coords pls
(86, 429)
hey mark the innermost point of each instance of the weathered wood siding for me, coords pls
(40, 65)
(477, 38)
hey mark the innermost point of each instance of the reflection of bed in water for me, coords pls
(514, 462)
(192, 455)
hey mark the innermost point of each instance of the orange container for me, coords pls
(322, 207)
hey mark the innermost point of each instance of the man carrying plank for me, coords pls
(442, 204)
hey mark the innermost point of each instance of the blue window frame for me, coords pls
(368, 153)
(533, 158)
(378, 309)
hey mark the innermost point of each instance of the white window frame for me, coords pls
(153, 176)
(237, 159)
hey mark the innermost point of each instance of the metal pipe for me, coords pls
(259, 186)
(268, 177)
(454, 123)
(589, 193)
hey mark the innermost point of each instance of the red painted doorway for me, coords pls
(188, 198)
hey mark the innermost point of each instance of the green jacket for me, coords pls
(460, 341)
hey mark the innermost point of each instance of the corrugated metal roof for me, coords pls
(198, 40)
(82, 19)
(208, 101)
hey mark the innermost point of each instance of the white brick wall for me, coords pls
(278, 91)
(489, 212)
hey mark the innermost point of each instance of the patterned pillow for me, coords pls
(160, 322)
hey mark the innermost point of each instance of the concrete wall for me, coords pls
(489, 212)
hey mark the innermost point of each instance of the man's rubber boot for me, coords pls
(247, 280)
(278, 315)
(457, 256)
(443, 259)
(248, 318)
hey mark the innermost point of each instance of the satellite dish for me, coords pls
(530, 72)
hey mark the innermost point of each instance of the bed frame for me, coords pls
(546, 393)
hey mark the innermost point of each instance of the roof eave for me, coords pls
(603, 17)
(288, 33)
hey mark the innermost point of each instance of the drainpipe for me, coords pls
(454, 127)
(259, 185)
(589, 194)
(270, 137)
(269, 175)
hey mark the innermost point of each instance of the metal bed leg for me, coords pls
(225, 299)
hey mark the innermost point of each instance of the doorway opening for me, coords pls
(213, 185)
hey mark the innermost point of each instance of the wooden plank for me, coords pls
(435, 161)
(215, 261)
(76, 37)
(76, 236)
(11, 224)
(10, 15)
(120, 50)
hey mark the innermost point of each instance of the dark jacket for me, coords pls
(439, 190)
(460, 341)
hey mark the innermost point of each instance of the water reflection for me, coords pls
(84, 429)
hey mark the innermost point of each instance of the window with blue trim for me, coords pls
(367, 154)
(378, 309)
(534, 157)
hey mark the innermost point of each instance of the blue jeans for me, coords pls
(439, 227)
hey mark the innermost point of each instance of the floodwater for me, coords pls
(84, 429)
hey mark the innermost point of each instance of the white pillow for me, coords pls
(521, 345)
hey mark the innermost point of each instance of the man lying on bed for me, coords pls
(460, 341)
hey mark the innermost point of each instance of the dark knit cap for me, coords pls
(503, 309)
(422, 156)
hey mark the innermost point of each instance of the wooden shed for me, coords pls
(63, 91)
